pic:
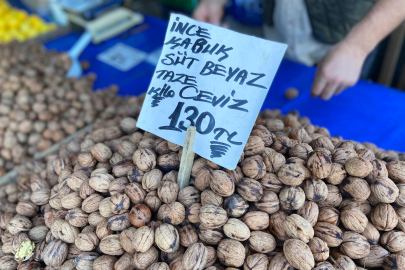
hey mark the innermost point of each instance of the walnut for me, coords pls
(315, 190)
(256, 220)
(38, 234)
(221, 183)
(19, 224)
(254, 167)
(384, 189)
(152, 201)
(135, 193)
(92, 203)
(210, 197)
(236, 229)
(333, 199)
(177, 263)
(271, 182)
(168, 191)
(143, 260)
(140, 215)
(276, 225)
(301, 150)
(337, 174)
(101, 152)
(125, 262)
(394, 241)
(279, 261)
(212, 216)
(85, 260)
(67, 232)
(86, 241)
(86, 160)
(231, 253)
(103, 230)
(329, 215)
(282, 144)
(119, 222)
(355, 188)
(269, 202)
(396, 171)
(167, 238)
(235, 206)
(299, 228)
(375, 258)
(143, 239)
(151, 180)
(86, 190)
(291, 174)
(159, 266)
(272, 160)
(101, 182)
(354, 245)
(126, 237)
(104, 262)
(298, 254)
(319, 163)
(210, 236)
(366, 154)
(250, 189)
(359, 167)
(394, 261)
(189, 195)
(384, 218)
(371, 234)
(195, 257)
(55, 253)
(188, 235)
(310, 212)
(319, 249)
(26, 208)
(354, 220)
(104, 207)
(322, 142)
(331, 234)
(401, 218)
(135, 175)
(254, 146)
(169, 161)
(340, 261)
(326, 266)
(256, 262)
(400, 200)
(8, 262)
(379, 169)
(75, 180)
(145, 159)
(172, 213)
(202, 179)
(292, 198)
(193, 213)
(40, 197)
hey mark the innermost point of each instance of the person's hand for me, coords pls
(210, 11)
(338, 70)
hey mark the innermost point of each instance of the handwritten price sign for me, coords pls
(211, 78)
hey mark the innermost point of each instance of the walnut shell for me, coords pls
(202, 179)
(143, 239)
(19, 224)
(256, 262)
(167, 238)
(261, 242)
(279, 261)
(145, 159)
(359, 167)
(319, 249)
(333, 199)
(276, 225)
(151, 180)
(331, 234)
(375, 258)
(384, 189)
(291, 174)
(172, 213)
(396, 171)
(301, 150)
(55, 253)
(268, 203)
(354, 220)
(298, 228)
(152, 201)
(67, 232)
(188, 235)
(210, 236)
(86, 241)
(315, 190)
(142, 260)
(354, 245)
(254, 167)
(168, 191)
(193, 213)
(330, 215)
(273, 160)
(292, 198)
(212, 216)
(221, 183)
(342, 155)
(337, 174)
(126, 237)
(394, 241)
(210, 197)
(111, 245)
(310, 212)
(101, 152)
(231, 253)
(282, 144)
(236, 229)
(135, 193)
(262, 132)
(195, 257)
(140, 215)
(256, 220)
(235, 206)
(384, 218)
(320, 163)
(271, 182)
(250, 189)
(189, 195)
(298, 254)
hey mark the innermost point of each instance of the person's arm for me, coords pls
(341, 67)
(210, 11)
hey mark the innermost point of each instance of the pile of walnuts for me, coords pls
(38, 105)
(298, 199)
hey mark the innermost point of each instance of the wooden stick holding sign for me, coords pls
(187, 158)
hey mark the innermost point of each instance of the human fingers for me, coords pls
(329, 90)
(340, 89)
(318, 85)
(201, 13)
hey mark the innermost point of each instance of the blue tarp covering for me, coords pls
(366, 112)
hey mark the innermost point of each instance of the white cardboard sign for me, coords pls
(214, 79)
